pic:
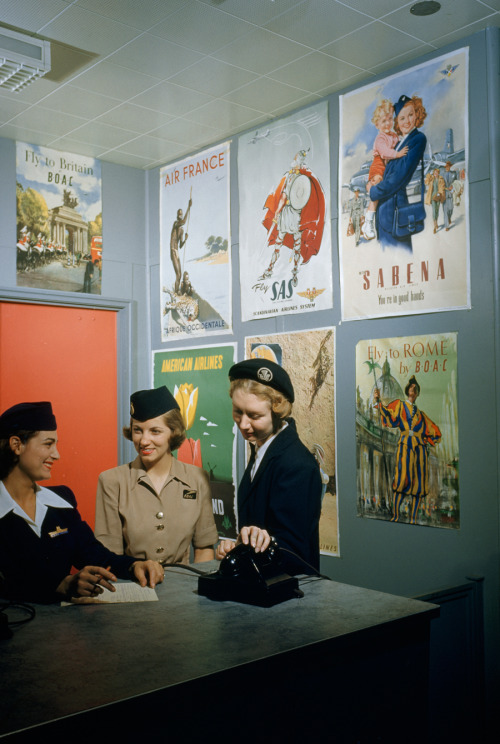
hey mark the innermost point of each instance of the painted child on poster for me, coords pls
(399, 256)
(309, 358)
(59, 220)
(284, 197)
(407, 430)
(198, 379)
(195, 253)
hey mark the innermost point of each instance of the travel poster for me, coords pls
(404, 192)
(284, 197)
(195, 252)
(407, 430)
(59, 220)
(309, 359)
(197, 377)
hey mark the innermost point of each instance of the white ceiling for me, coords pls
(146, 82)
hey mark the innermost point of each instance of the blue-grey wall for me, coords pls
(411, 560)
(400, 559)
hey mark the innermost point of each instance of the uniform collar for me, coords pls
(178, 470)
(44, 497)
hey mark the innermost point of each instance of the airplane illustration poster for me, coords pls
(195, 246)
(197, 377)
(403, 192)
(309, 358)
(407, 430)
(284, 197)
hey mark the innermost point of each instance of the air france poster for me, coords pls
(195, 253)
(403, 192)
(284, 195)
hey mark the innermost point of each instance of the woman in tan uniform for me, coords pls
(156, 507)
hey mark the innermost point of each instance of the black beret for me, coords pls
(266, 372)
(148, 404)
(27, 417)
(403, 100)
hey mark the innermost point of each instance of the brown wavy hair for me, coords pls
(175, 423)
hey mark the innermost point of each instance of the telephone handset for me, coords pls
(250, 577)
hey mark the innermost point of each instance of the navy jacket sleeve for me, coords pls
(285, 499)
(32, 567)
(399, 171)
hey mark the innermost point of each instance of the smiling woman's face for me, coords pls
(407, 118)
(37, 455)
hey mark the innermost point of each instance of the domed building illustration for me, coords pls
(376, 459)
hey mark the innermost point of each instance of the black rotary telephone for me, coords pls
(250, 577)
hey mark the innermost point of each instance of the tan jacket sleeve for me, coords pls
(108, 526)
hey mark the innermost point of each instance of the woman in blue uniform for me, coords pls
(409, 115)
(42, 536)
(280, 492)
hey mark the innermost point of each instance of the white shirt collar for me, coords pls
(44, 498)
(261, 451)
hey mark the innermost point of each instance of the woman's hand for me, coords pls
(258, 538)
(90, 581)
(148, 573)
(223, 548)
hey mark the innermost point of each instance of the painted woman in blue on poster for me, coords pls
(403, 155)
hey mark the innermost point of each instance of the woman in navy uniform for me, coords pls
(42, 536)
(390, 193)
(280, 492)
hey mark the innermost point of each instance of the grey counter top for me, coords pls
(72, 659)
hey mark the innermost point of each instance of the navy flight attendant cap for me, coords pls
(148, 404)
(27, 417)
(266, 372)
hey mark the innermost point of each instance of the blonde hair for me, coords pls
(385, 107)
(281, 407)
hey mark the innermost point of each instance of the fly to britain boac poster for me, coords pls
(195, 246)
(404, 192)
(59, 220)
(197, 377)
(284, 202)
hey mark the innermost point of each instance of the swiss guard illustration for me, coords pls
(295, 216)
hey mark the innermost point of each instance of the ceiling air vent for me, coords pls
(23, 59)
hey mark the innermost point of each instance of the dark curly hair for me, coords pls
(8, 459)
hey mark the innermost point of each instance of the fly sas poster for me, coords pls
(407, 430)
(403, 192)
(197, 377)
(195, 252)
(284, 195)
(309, 359)
(59, 220)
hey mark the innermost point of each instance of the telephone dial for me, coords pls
(250, 577)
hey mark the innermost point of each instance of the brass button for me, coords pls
(159, 515)
(160, 550)
(160, 527)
